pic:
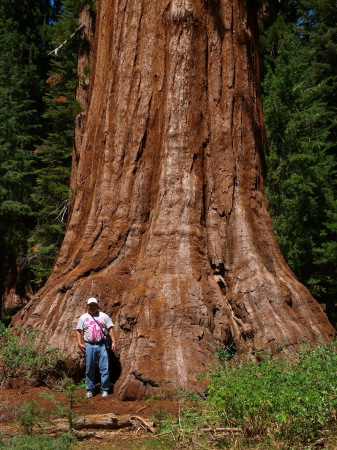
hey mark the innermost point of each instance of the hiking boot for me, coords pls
(88, 394)
(105, 394)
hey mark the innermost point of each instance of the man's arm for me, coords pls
(112, 335)
(80, 340)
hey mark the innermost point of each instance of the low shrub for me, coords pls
(275, 403)
(291, 399)
(38, 442)
(24, 354)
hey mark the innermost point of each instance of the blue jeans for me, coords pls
(94, 352)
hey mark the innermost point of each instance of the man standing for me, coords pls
(90, 332)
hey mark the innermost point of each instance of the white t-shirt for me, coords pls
(92, 332)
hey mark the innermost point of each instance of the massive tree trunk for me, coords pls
(169, 225)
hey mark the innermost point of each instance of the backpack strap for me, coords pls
(104, 332)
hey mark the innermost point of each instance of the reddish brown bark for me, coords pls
(169, 226)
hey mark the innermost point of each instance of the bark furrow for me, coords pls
(169, 226)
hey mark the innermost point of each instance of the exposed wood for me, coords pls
(143, 423)
(101, 422)
(141, 409)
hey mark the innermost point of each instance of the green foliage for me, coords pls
(36, 131)
(301, 167)
(282, 403)
(52, 195)
(292, 398)
(27, 356)
(73, 399)
(226, 353)
(38, 442)
(152, 397)
(23, 45)
(318, 20)
(30, 416)
(181, 393)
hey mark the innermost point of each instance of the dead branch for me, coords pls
(139, 420)
(141, 409)
(56, 50)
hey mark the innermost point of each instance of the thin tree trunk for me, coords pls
(169, 226)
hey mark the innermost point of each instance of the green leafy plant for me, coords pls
(24, 354)
(152, 397)
(226, 353)
(294, 398)
(279, 403)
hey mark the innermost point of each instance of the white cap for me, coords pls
(92, 300)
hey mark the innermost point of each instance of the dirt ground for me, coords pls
(12, 398)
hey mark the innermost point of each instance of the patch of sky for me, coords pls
(304, 24)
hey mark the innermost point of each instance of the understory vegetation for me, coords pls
(275, 403)
(26, 357)
(38, 443)
(38, 82)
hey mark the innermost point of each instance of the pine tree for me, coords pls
(52, 194)
(301, 169)
(319, 23)
(23, 41)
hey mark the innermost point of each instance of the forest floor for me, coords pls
(137, 437)
(125, 438)
(151, 411)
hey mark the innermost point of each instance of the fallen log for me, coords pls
(101, 422)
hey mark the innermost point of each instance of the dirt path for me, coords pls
(12, 399)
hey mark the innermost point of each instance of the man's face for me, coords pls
(92, 308)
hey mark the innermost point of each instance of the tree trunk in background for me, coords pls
(16, 289)
(169, 226)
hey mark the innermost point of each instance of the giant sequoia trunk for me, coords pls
(169, 226)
